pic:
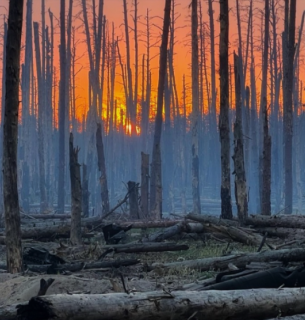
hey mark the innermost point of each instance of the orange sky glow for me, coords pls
(113, 9)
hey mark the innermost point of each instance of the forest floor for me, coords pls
(22, 287)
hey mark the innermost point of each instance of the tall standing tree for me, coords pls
(10, 138)
(224, 126)
(266, 156)
(288, 57)
(156, 178)
(62, 112)
(195, 111)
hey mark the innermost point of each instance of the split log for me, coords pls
(239, 260)
(213, 305)
(146, 247)
(285, 221)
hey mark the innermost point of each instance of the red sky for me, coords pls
(113, 9)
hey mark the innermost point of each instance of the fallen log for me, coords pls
(286, 233)
(213, 305)
(74, 267)
(239, 260)
(212, 219)
(296, 317)
(285, 221)
(145, 247)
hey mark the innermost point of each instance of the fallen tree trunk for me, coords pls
(239, 260)
(213, 305)
(146, 247)
(212, 219)
(74, 267)
(38, 230)
(285, 221)
(286, 233)
(296, 317)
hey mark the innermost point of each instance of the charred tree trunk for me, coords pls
(156, 179)
(195, 111)
(266, 156)
(144, 185)
(76, 194)
(288, 57)
(133, 200)
(102, 169)
(239, 164)
(62, 112)
(41, 112)
(224, 126)
(10, 138)
(85, 192)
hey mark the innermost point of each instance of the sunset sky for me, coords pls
(113, 9)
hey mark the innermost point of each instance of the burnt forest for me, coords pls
(151, 157)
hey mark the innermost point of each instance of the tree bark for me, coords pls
(102, 169)
(156, 171)
(10, 138)
(85, 192)
(41, 117)
(133, 199)
(195, 111)
(241, 192)
(214, 305)
(288, 58)
(62, 112)
(144, 185)
(266, 156)
(76, 194)
(224, 127)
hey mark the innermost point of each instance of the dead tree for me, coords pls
(241, 192)
(10, 138)
(133, 199)
(266, 156)
(62, 112)
(195, 111)
(85, 192)
(144, 185)
(224, 126)
(156, 179)
(76, 194)
(41, 113)
(102, 169)
(288, 72)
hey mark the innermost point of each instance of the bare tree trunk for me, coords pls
(288, 57)
(62, 112)
(10, 138)
(266, 156)
(195, 111)
(76, 194)
(41, 116)
(241, 193)
(224, 129)
(133, 200)
(156, 180)
(85, 192)
(144, 185)
(102, 169)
